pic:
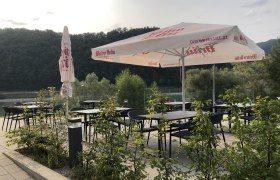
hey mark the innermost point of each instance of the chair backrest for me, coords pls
(219, 101)
(18, 103)
(186, 125)
(188, 106)
(57, 107)
(124, 113)
(16, 111)
(77, 108)
(216, 118)
(134, 114)
(248, 111)
(6, 109)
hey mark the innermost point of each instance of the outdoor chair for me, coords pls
(7, 116)
(180, 130)
(188, 107)
(17, 116)
(53, 112)
(125, 120)
(216, 119)
(186, 130)
(247, 115)
(84, 105)
(75, 114)
(135, 118)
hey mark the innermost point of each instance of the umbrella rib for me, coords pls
(176, 53)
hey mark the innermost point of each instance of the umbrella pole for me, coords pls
(66, 108)
(214, 89)
(183, 83)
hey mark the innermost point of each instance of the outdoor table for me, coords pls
(87, 112)
(33, 108)
(169, 116)
(33, 103)
(226, 106)
(91, 102)
(175, 104)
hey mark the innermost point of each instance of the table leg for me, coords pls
(159, 140)
(85, 126)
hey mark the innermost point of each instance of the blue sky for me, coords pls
(258, 19)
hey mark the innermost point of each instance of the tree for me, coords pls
(200, 82)
(274, 68)
(130, 87)
(91, 88)
(254, 78)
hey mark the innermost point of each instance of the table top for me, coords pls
(33, 106)
(174, 115)
(91, 101)
(240, 105)
(95, 111)
(33, 103)
(175, 103)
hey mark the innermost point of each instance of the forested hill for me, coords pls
(29, 58)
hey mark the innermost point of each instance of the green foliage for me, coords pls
(108, 157)
(201, 148)
(199, 82)
(43, 144)
(167, 168)
(274, 68)
(91, 88)
(130, 87)
(255, 153)
(254, 78)
(29, 58)
(156, 100)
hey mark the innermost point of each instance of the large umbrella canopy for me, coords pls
(184, 44)
(66, 66)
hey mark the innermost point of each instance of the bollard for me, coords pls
(75, 140)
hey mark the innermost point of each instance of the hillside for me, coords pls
(29, 58)
(267, 46)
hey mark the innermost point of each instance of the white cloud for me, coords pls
(12, 22)
(254, 3)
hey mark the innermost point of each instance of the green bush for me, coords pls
(41, 143)
(130, 87)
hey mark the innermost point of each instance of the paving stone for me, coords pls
(20, 175)
(7, 177)
(2, 156)
(3, 171)
(5, 162)
(12, 168)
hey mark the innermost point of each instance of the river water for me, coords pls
(10, 98)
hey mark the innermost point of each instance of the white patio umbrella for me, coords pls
(66, 67)
(184, 44)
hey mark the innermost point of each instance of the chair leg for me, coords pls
(8, 120)
(148, 138)
(16, 122)
(165, 141)
(11, 125)
(170, 145)
(223, 134)
(4, 120)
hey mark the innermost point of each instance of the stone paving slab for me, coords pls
(9, 170)
(15, 166)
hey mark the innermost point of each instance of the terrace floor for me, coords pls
(17, 173)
